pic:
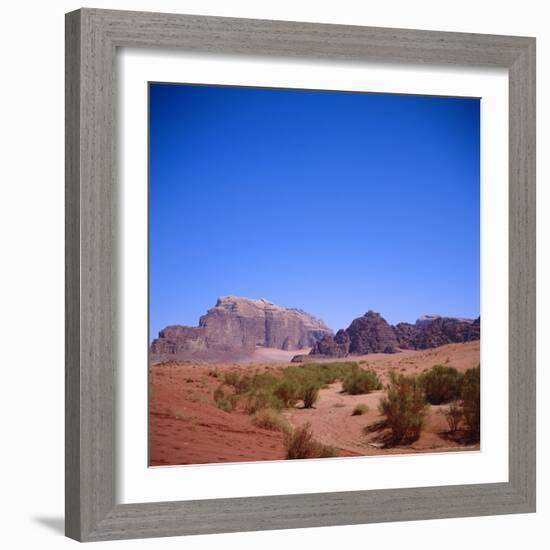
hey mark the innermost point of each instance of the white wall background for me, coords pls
(31, 301)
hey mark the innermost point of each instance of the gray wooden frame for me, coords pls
(92, 38)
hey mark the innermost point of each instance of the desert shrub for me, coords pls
(361, 381)
(441, 384)
(454, 416)
(341, 369)
(225, 399)
(284, 389)
(259, 382)
(239, 382)
(310, 394)
(262, 399)
(300, 377)
(322, 373)
(232, 378)
(268, 419)
(300, 383)
(288, 391)
(404, 407)
(301, 444)
(471, 401)
(330, 372)
(359, 409)
(326, 451)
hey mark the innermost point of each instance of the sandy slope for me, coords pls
(187, 428)
(273, 355)
(333, 424)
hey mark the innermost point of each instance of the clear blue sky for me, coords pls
(333, 202)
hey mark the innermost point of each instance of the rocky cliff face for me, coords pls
(372, 334)
(235, 327)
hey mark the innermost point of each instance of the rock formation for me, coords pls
(335, 346)
(372, 334)
(235, 327)
(437, 331)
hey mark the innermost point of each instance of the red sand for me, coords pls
(186, 427)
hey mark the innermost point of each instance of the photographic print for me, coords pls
(314, 274)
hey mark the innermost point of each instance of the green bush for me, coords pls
(288, 391)
(322, 373)
(260, 382)
(404, 407)
(232, 378)
(310, 394)
(269, 419)
(361, 381)
(262, 399)
(454, 416)
(359, 409)
(301, 444)
(471, 401)
(441, 384)
(241, 383)
(225, 399)
(284, 389)
(303, 382)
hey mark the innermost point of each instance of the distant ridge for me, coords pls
(371, 333)
(235, 326)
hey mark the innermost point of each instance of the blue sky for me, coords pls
(334, 202)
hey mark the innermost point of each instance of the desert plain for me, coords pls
(187, 425)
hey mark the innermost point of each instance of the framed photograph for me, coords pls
(300, 275)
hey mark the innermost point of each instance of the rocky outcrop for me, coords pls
(235, 327)
(372, 334)
(437, 331)
(335, 346)
(368, 334)
(178, 339)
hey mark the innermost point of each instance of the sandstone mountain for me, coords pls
(372, 334)
(235, 327)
